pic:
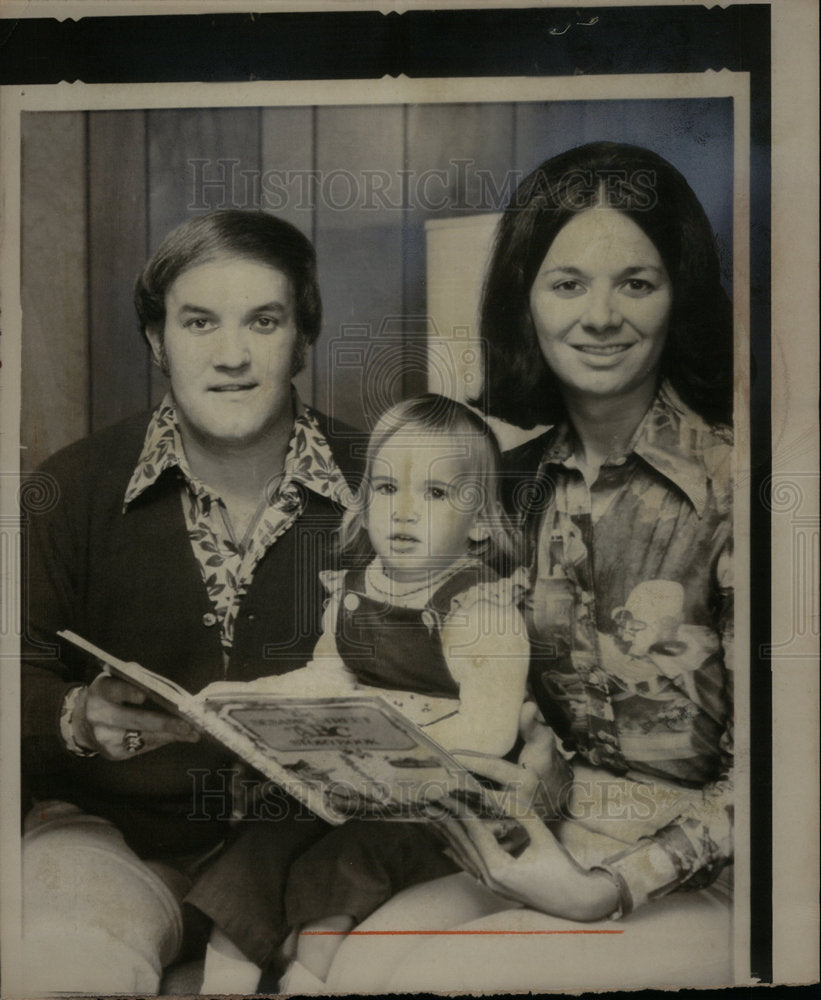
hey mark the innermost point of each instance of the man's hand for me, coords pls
(107, 716)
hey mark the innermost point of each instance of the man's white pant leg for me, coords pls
(96, 919)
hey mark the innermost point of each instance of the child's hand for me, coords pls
(262, 685)
(542, 757)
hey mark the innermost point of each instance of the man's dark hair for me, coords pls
(518, 385)
(255, 236)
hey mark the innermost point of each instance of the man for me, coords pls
(190, 541)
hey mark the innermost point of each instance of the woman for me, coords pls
(604, 316)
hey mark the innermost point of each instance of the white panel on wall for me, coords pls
(458, 251)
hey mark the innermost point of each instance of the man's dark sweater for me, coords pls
(129, 582)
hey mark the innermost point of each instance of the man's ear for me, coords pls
(155, 338)
(300, 351)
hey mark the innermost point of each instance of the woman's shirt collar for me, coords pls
(671, 437)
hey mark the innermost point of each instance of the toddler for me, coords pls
(428, 624)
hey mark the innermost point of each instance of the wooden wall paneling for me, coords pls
(283, 188)
(545, 129)
(117, 241)
(459, 160)
(359, 217)
(695, 135)
(199, 159)
(55, 398)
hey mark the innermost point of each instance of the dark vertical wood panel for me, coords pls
(117, 239)
(55, 401)
(287, 145)
(199, 159)
(459, 160)
(358, 360)
(695, 135)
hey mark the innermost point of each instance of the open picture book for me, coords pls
(344, 757)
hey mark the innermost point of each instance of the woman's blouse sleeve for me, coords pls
(689, 852)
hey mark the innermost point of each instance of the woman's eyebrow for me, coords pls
(577, 272)
(189, 307)
(564, 269)
(637, 268)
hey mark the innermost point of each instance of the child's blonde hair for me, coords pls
(434, 414)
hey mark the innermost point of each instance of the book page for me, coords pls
(162, 690)
(365, 758)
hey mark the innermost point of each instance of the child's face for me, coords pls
(424, 503)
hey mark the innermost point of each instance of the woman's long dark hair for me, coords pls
(519, 387)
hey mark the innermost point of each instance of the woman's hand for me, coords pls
(107, 719)
(543, 876)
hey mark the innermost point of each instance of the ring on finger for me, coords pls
(133, 740)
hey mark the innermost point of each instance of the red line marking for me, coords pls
(368, 933)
